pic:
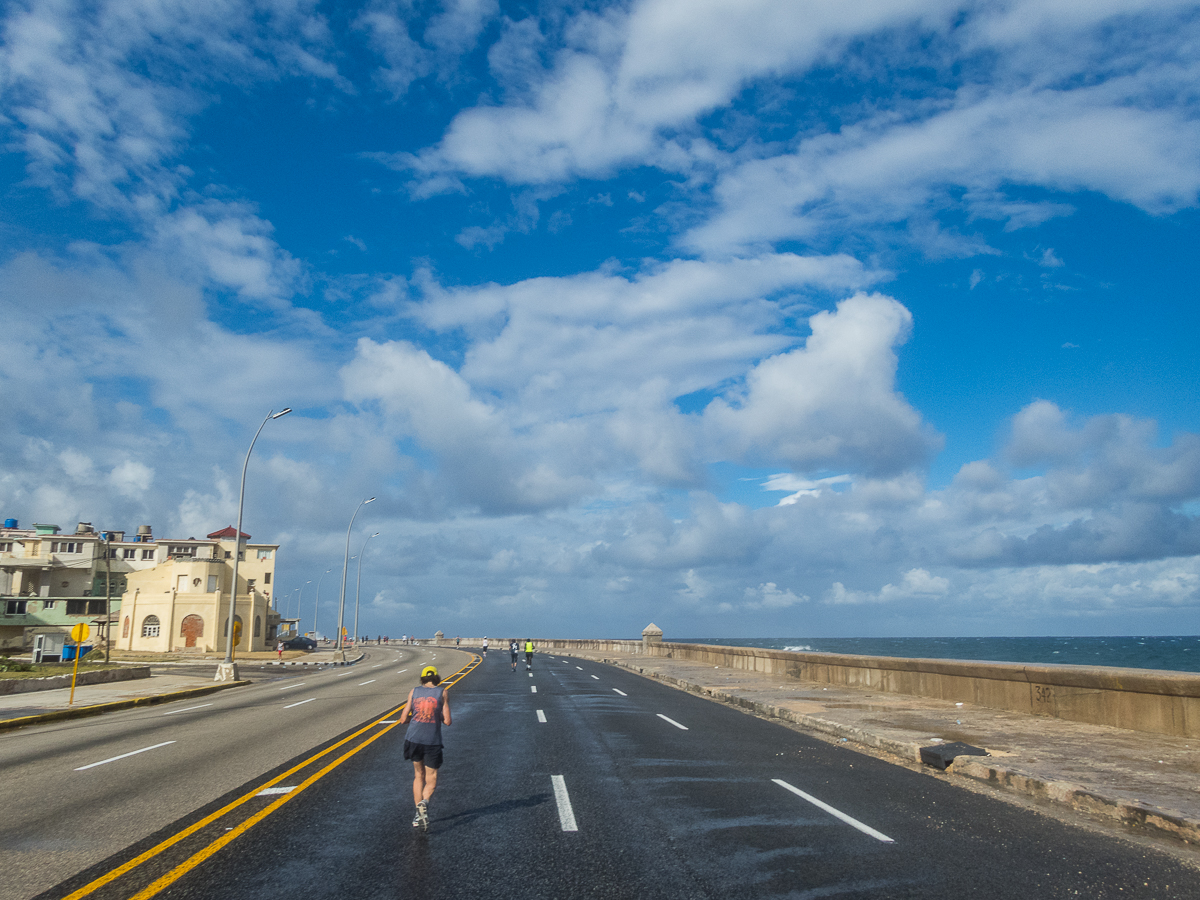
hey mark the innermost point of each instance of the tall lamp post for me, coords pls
(300, 607)
(227, 671)
(340, 655)
(358, 585)
(317, 604)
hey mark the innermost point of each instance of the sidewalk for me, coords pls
(1147, 782)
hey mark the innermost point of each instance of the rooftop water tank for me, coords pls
(144, 533)
(10, 523)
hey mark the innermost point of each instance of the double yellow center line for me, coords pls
(201, 855)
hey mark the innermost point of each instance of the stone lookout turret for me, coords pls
(439, 637)
(651, 634)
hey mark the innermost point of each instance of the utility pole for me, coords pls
(107, 590)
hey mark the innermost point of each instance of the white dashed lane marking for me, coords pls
(597, 677)
(272, 791)
(673, 722)
(290, 686)
(566, 815)
(849, 820)
(622, 693)
(189, 709)
(533, 689)
(361, 683)
(580, 668)
(541, 717)
(301, 703)
(123, 756)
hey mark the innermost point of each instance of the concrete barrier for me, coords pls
(1137, 699)
(54, 682)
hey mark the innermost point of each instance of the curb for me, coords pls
(1130, 813)
(82, 712)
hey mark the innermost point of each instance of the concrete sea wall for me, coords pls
(54, 682)
(1137, 699)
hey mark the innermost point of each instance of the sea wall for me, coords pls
(1137, 699)
(56, 682)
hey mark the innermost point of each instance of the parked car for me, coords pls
(300, 643)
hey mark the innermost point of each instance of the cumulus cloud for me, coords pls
(831, 403)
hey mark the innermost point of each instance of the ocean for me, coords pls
(1179, 654)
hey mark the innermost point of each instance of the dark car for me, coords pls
(300, 643)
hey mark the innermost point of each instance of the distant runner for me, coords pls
(512, 649)
(528, 655)
(426, 711)
(485, 646)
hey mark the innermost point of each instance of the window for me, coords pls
(150, 626)
(228, 554)
(15, 607)
(66, 546)
(85, 607)
(148, 554)
(5, 546)
(212, 584)
(257, 626)
(125, 628)
(47, 604)
(112, 554)
(267, 578)
(129, 553)
(264, 554)
(181, 551)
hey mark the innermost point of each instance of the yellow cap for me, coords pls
(429, 670)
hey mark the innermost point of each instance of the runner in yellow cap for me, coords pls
(426, 711)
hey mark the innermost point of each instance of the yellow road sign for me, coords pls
(80, 632)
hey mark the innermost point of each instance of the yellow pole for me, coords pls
(79, 634)
(74, 675)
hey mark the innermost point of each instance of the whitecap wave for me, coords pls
(800, 649)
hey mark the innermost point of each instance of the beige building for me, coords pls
(183, 602)
(50, 581)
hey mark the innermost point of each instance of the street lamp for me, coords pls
(227, 671)
(317, 605)
(300, 607)
(340, 655)
(358, 584)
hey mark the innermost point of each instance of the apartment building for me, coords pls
(50, 581)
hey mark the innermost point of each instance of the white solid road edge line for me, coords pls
(122, 756)
(622, 693)
(541, 716)
(849, 820)
(566, 815)
(672, 721)
(301, 703)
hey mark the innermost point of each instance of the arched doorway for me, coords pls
(191, 627)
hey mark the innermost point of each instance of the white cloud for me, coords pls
(831, 403)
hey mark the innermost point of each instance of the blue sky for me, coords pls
(747, 318)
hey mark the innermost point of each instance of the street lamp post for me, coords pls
(317, 604)
(340, 655)
(358, 585)
(300, 607)
(227, 671)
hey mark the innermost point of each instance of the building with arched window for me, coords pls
(183, 602)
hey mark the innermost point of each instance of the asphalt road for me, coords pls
(72, 797)
(589, 781)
